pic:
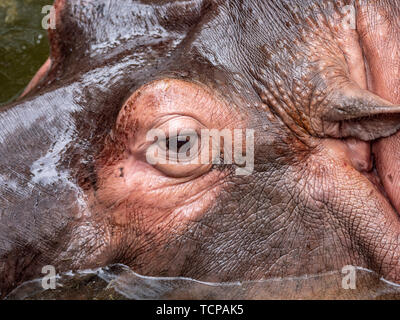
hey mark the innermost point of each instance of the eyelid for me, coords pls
(164, 123)
(180, 122)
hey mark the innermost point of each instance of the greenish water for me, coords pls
(23, 45)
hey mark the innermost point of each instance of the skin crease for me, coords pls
(77, 192)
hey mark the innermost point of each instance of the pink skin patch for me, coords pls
(381, 44)
(44, 69)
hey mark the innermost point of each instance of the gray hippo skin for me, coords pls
(322, 97)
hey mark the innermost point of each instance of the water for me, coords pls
(120, 282)
(23, 45)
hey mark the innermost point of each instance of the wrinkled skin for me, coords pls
(76, 191)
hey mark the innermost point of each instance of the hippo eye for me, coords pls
(181, 148)
(170, 125)
(177, 148)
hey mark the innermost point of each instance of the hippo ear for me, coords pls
(361, 114)
(90, 29)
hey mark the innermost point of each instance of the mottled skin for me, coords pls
(311, 88)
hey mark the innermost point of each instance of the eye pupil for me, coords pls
(176, 141)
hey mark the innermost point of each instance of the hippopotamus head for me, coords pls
(316, 84)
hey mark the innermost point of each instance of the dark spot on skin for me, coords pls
(121, 174)
(390, 177)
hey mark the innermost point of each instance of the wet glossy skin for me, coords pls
(76, 192)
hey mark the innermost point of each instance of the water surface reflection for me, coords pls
(120, 282)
